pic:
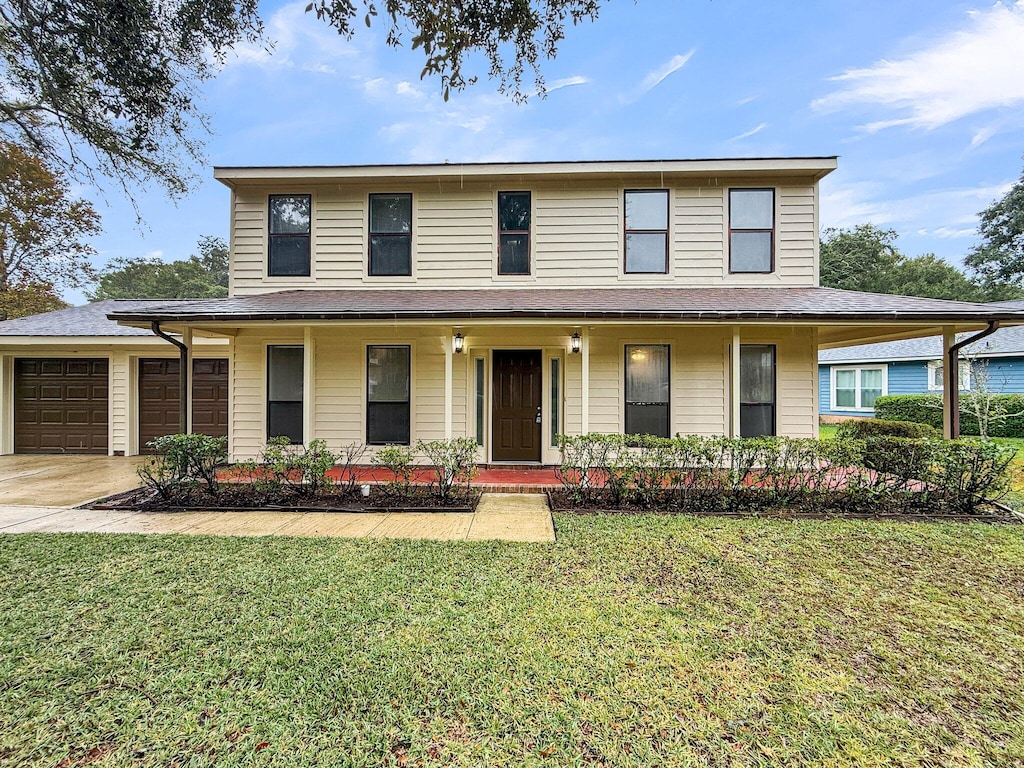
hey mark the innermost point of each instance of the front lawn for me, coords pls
(635, 640)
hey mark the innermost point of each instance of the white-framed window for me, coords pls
(935, 375)
(857, 388)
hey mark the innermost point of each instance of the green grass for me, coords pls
(633, 641)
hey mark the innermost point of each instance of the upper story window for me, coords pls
(751, 230)
(288, 254)
(513, 233)
(646, 231)
(391, 235)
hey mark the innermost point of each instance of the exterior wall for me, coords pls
(577, 235)
(910, 377)
(699, 379)
(122, 387)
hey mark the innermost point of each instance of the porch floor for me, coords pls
(488, 479)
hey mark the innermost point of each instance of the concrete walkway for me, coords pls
(502, 516)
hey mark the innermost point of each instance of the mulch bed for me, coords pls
(238, 498)
(561, 501)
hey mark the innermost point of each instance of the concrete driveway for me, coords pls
(64, 481)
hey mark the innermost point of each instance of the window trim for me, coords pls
(626, 232)
(771, 232)
(370, 234)
(528, 232)
(625, 373)
(366, 392)
(271, 235)
(858, 388)
(966, 375)
(301, 402)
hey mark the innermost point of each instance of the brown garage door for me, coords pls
(60, 405)
(158, 398)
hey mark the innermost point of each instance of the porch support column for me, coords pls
(308, 378)
(186, 378)
(950, 388)
(449, 380)
(734, 383)
(585, 380)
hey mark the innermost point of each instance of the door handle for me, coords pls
(538, 415)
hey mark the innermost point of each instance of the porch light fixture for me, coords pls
(575, 342)
(457, 343)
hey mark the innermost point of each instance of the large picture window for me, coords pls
(391, 235)
(757, 390)
(647, 390)
(284, 392)
(751, 230)
(856, 389)
(646, 231)
(289, 250)
(513, 233)
(387, 394)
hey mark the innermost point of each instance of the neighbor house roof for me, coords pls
(700, 304)
(87, 320)
(815, 167)
(1006, 342)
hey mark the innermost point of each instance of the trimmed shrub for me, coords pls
(862, 429)
(184, 461)
(454, 463)
(970, 471)
(397, 459)
(927, 409)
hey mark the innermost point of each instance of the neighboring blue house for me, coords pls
(849, 379)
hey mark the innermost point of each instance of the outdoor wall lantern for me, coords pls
(457, 343)
(575, 342)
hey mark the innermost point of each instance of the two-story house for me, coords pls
(505, 302)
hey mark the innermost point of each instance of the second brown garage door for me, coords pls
(158, 398)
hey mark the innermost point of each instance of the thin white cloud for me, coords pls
(743, 101)
(657, 76)
(968, 71)
(751, 132)
(566, 82)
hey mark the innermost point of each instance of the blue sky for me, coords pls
(922, 101)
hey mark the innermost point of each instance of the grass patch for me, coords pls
(633, 641)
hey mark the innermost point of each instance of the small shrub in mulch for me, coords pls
(716, 475)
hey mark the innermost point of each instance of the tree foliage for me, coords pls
(43, 229)
(200, 276)
(999, 259)
(109, 87)
(29, 300)
(865, 258)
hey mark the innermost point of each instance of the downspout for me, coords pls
(953, 366)
(183, 398)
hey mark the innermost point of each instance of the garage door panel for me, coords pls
(60, 405)
(159, 388)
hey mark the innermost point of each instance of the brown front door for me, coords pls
(60, 405)
(517, 395)
(158, 398)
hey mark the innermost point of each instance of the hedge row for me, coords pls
(927, 409)
(718, 474)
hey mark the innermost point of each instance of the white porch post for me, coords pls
(186, 379)
(449, 380)
(308, 379)
(950, 385)
(585, 380)
(734, 383)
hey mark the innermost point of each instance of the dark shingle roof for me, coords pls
(87, 320)
(748, 304)
(1006, 342)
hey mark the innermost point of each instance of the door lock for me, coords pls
(538, 415)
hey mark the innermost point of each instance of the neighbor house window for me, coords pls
(647, 389)
(284, 392)
(288, 254)
(856, 389)
(387, 394)
(757, 390)
(391, 235)
(513, 233)
(751, 230)
(935, 369)
(646, 231)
